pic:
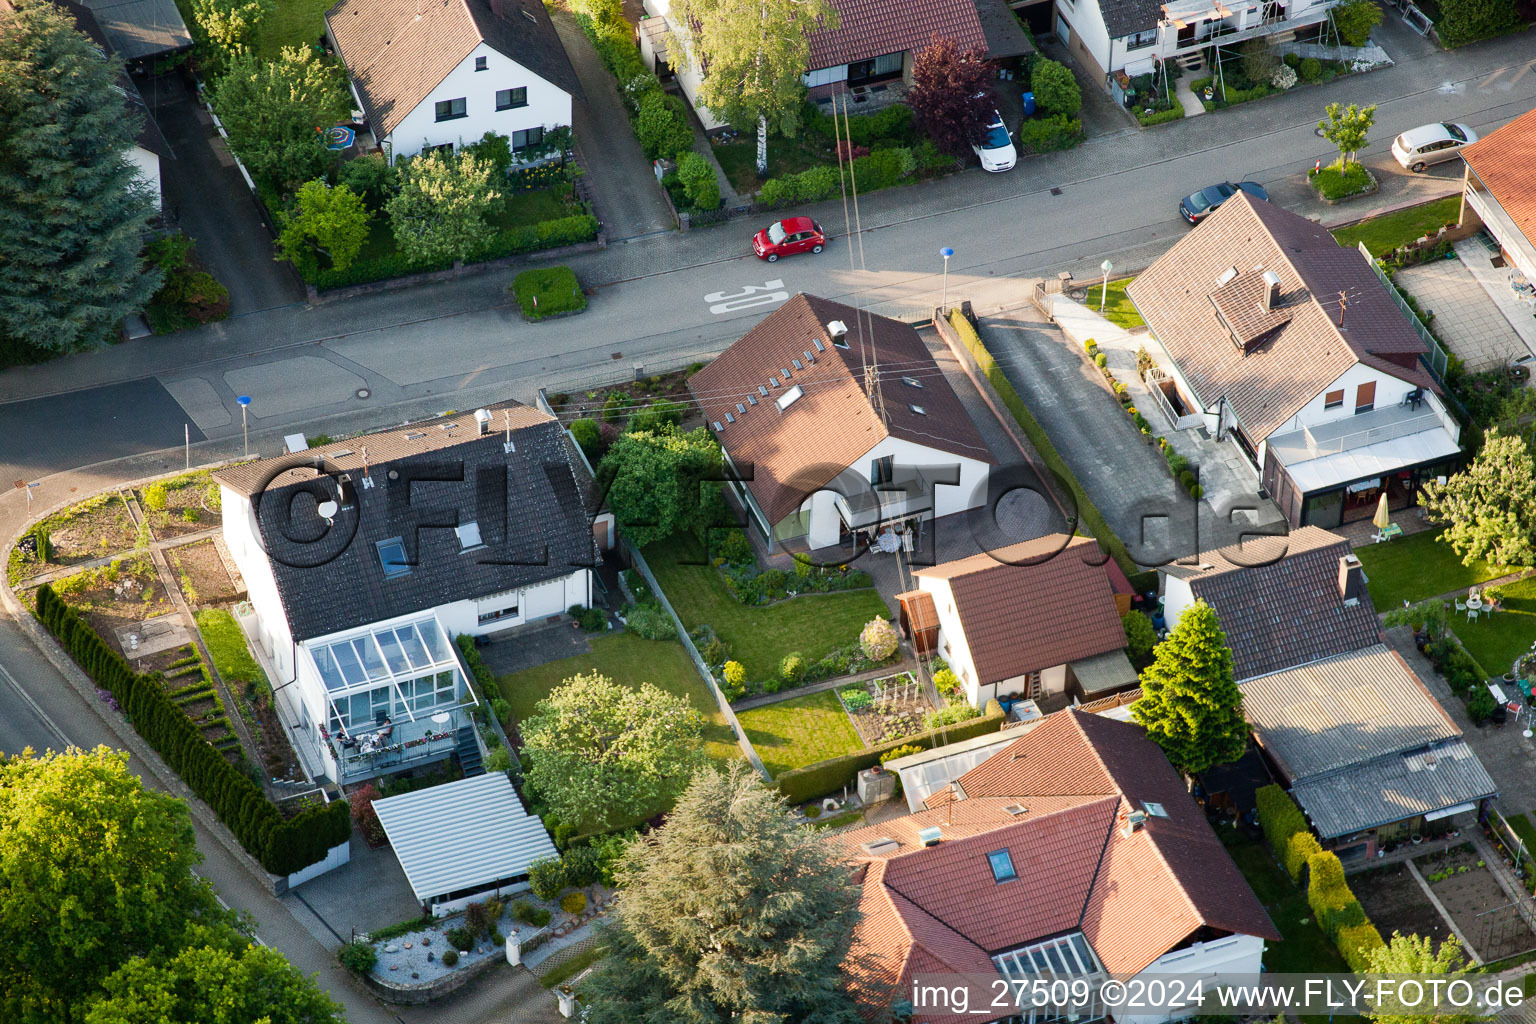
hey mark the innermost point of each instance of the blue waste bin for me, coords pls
(1029, 104)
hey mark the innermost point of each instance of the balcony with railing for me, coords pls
(395, 746)
(1385, 440)
(1215, 24)
(906, 494)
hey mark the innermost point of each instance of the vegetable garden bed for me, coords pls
(887, 708)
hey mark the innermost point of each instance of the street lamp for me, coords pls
(1106, 266)
(245, 400)
(946, 252)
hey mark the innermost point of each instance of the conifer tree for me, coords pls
(1190, 704)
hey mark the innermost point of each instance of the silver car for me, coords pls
(1428, 144)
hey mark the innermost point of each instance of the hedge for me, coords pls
(1281, 820)
(1087, 512)
(1357, 942)
(1339, 913)
(893, 123)
(282, 847)
(816, 780)
(880, 169)
(1162, 116)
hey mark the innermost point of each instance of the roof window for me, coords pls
(762, 391)
(392, 557)
(797, 364)
(819, 346)
(1002, 866)
(784, 374)
(717, 426)
(808, 357)
(773, 382)
(751, 399)
(912, 382)
(1226, 275)
(740, 408)
(918, 409)
(469, 536)
(789, 397)
(1155, 809)
(730, 418)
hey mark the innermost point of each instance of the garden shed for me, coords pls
(464, 840)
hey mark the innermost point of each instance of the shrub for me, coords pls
(950, 715)
(656, 416)
(735, 548)
(1055, 89)
(575, 903)
(476, 922)
(499, 760)
(775, 583)
(584, 432)
(548, 291)
(1101, 360)
(593, 620)
(1173, 113)
(878, 639)
(357, 957)
(712, 649)
(1280, 819)
(1463, 21)
(1357, 942)
(617, 405)
(1140, 637)
(699, 181)
(792, 669)
(582, 865)
(902, 751)
(364, 815)
(662, 126)
(450, 957)
(1334, 182)
(1177, 462)
(1480, 706)
(546, 877)
(498, 939)
(1284, 76)
(527, 913)
(1290, 60)
(1048, 134)
(460, 938)
(651, 621)
(154, 497)
(947, 683)
(1299, 849)
(735, 674)
(1310, 69)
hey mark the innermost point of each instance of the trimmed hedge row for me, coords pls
(1087, 511)
(893, 123)
(283, 847)
(816, 780)
(881, 169)
(1286, 829)
(1339, 913)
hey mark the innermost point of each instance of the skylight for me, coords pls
(717, 426)
(1226, 275)
(918, 409)
(819, 346)
(789, 397)
(798, 364)
(740, 408)
(762, 391)
(912, 382)
(1155, 809)
(469, 536)
(392, 557)
(1002, 866)
(773, 382)
(751, 399)
(784, 374)
(730, 418)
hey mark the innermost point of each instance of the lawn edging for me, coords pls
(965, 341)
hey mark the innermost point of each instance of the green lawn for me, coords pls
(802, 731)
(1117, 307)
(1391, 230)
(811, 624)
(226, 645)
(1417, 567)
(520, 209)
(627, 658)
(291, 23)
(1497, 640)
(785, 156)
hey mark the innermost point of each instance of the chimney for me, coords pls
(1133, 821)
(1271, 290)
(837, 329)
(483, 420)
(1351, 580)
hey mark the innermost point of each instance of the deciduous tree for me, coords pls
(276, 113)
(951, 95)
(1463, 21)
(1354, 19)
(73, 212)
(729, 912)
(1346, 128)
(1489, 508)
(214, 985)
(1416, 956)
(1056, 91)
(599, 750)
(1190, 704)
(328, 220)
(440, 210)
(94, 870)
(655, 481)
(755, 52)
(227, 27)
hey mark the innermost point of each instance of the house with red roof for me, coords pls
(1073, 853)
(1498, 191)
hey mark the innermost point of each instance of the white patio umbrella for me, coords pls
(1383, 517)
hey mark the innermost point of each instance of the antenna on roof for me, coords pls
(1343, 302)
(365, 460)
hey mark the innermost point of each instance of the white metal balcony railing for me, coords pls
(909, 493)
(1315, 442)
(409, 743)
(1225, 34)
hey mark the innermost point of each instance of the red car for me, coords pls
(787, 237)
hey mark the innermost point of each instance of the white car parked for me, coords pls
(996, 151)
(1428, 144)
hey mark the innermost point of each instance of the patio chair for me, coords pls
(1461, 606)
(1471, 614)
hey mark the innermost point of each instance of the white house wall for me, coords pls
(548, 107)
(148, 166)
(1088, 33)
(243, 540)
(688, 75)
(1177, 596)
(1235, 954)
(1390, 391)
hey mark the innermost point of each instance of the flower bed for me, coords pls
(92, 529)
(1334, 183)
(887, 708)
(548, 291)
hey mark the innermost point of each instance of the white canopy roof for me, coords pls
(462, 834)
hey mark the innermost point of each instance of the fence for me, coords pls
(1434, 356)
(638, 561)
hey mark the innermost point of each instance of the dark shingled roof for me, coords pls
(799, 449)
(142, 28)
(1295, 354)
(428, 478)
(1286, 612)
(398, 51)
(1123, 17)
(149, 137)
(1004, 36)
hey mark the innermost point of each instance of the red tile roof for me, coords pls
(873, 28)
(1134, 897)
(1502, 160)
(1033, 605)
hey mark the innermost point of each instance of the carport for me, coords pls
(464, 840)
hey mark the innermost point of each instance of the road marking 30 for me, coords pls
(752, 295)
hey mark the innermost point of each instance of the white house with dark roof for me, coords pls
(441, 73)
(365, 558)
(841, 427)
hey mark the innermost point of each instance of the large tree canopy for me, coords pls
(729, 912)
(951, 95)
(275, 112)
(599, 751)
(211, 985)
(1415, 956)
(73, 212)
(1489, 508)
(655, 481)
(1190, 704)
(440, 210)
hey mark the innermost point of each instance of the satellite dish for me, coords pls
(328, 510)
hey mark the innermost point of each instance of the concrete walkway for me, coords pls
(1477, 259)
(1193, 107)
(1466, 316)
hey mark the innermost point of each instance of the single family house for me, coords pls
(1497, 190)
(365, 559)
(438, 74)
(1289, 344)
(139, 30)
(1074, 853)
(1029, 620)
(841, 429)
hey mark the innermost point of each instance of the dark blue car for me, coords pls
(1197, 207)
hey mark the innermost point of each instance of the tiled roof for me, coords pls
(428, 478)
(1502, 161)
(1123, 17)
(794, 451)
(1279, 601)
(873, 28)
(398, 51)
(1033, 605)
(1134, 897)
(1302, 351)
(1343, 711)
